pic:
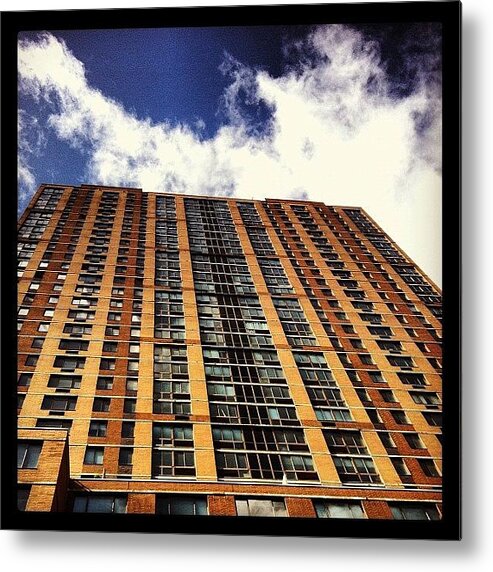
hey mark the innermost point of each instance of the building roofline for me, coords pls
(193, 196)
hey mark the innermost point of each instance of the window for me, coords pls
(100, 503)
(23, 492)
(98, 428)
(128, 429)
(109, 364)
(366, 359)
(172, 435)
(377, 377)
(133, 365)
(73, 345)
(181, 504)
(374, 416)
(131, 384)
(104, 383)
(25, 379)
(28, 454)
(112, 331)
(101, 404)
(65, 381)
(172, 462)
(129, 405)
(345, 442)
(433, 418)
(54, 423)
(380, 331)
(391, 346)
(413, 440)
(114, 317)
(356, 469)
(363, 395)
(412, 378)
(425, 398)
(400, 361)
(69, 363)
(400, 466)
(298, 466)
(125, 456)
(260, 507)
(386, 439)
(353, 375)
(388, 396)
(414, 511)
(94, 456)
(337, 509)
(331, 415)
(428, 467)
(236, 465)
(87, 289)
(81, 315)
(28, 299)
(400, 417)
(109, 347)
(59, 403)
(76, 329)
(37, 342)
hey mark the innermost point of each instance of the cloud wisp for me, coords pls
(329, 129)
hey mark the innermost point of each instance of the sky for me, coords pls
(347, 115)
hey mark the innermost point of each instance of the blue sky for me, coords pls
(170, 75)
(342, 114)
(173, 74)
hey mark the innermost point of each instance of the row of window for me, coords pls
(173, 455)
(195, 505)
(414, 280)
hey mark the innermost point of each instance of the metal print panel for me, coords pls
(229, 270)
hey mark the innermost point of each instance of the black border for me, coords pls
(449, 14)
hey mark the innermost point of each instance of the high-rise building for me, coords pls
(206, 355)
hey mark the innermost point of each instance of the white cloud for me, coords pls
(31, 142)
(330, 138)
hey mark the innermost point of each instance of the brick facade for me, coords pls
(206, 350)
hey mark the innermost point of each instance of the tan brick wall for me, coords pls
(49, 480)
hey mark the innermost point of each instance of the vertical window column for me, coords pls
(205, 466)
(323, 464)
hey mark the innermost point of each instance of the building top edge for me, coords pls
(193, 196)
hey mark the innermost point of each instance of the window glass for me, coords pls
(414, 511)
(100, 503)
(183, 505)
(28, 454)
(260, 507)
(335, 509)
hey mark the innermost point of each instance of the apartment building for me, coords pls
(198, 355)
